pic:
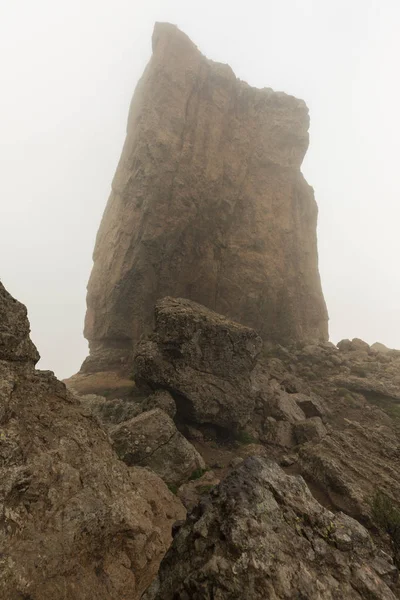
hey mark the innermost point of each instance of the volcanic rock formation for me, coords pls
(205, 359)
(260, 535)
(75, 522)
(208, 203)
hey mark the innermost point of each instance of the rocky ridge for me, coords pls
(263, 532)
(75, 522)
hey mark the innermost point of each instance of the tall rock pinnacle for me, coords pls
(208, 203)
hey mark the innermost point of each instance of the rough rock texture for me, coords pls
(75, 522)
(208, 203)
(356, 391)
(15, 343)
(189, 493)
(204, 359)
(261, 534)
(152, 440)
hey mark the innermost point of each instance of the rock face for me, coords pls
(75, 521)
(208, 203)
(360, 388)
(152, 440)
(261, 534)
(204, 359)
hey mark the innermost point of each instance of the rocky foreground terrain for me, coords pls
(215, 451)
(275, 470)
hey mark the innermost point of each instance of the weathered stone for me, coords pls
(163, 400)
(378, 347)
(110, 412)
(279, 433)
(261, 534)
(349, 465)
(15, 343)
(75, 521)
(190, 493)
(152, 440)
(311, 430)
(354, 345)
(204, 360)
(208, 203)
(312, 406)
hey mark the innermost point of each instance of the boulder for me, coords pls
(204, 360)
(354, 345)
(190, 493)
(76, 521)
(163, 400)
(311, 430)
(152, 440)
(208, 203)
(261, 534)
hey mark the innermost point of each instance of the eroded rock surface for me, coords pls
(152, 440)
(208, 203)
(261, 534)
(75, 522)
(204, 359)
(359, 401)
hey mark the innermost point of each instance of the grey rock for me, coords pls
(152, 440)
(311, 430)
(204, 359)
(261, 534)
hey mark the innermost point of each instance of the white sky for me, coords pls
(68, 70)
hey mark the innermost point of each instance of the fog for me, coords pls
(68, 72)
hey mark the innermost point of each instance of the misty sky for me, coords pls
(68, 71)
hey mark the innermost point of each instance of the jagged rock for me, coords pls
(152, 440)
(312, 406)
(360, 454)
(354, 345)
(15, 343)
(75, 521)
(189, 493)
(261, 534)
(203, 359)
(311, 430)
(111, 412)
(283, 406)
(163, 400)
(279, 433)
(351, 464)
(208, 203)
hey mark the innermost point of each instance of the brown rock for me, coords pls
(261, 534)
(205, 360)
(311, 430)
(15, 343)
(152, 440)
(190, 493)
(163, 400)
(208, 203)
(75, 521)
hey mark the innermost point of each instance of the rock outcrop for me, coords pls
(152, 440)
(359, 392)
(75, 522)
(205, 360)
(208, 203)
(261, 534)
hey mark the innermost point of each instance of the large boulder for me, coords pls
(261, 534)
(153, 441)
(203, 359)
(75, 521)
(208, 203)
